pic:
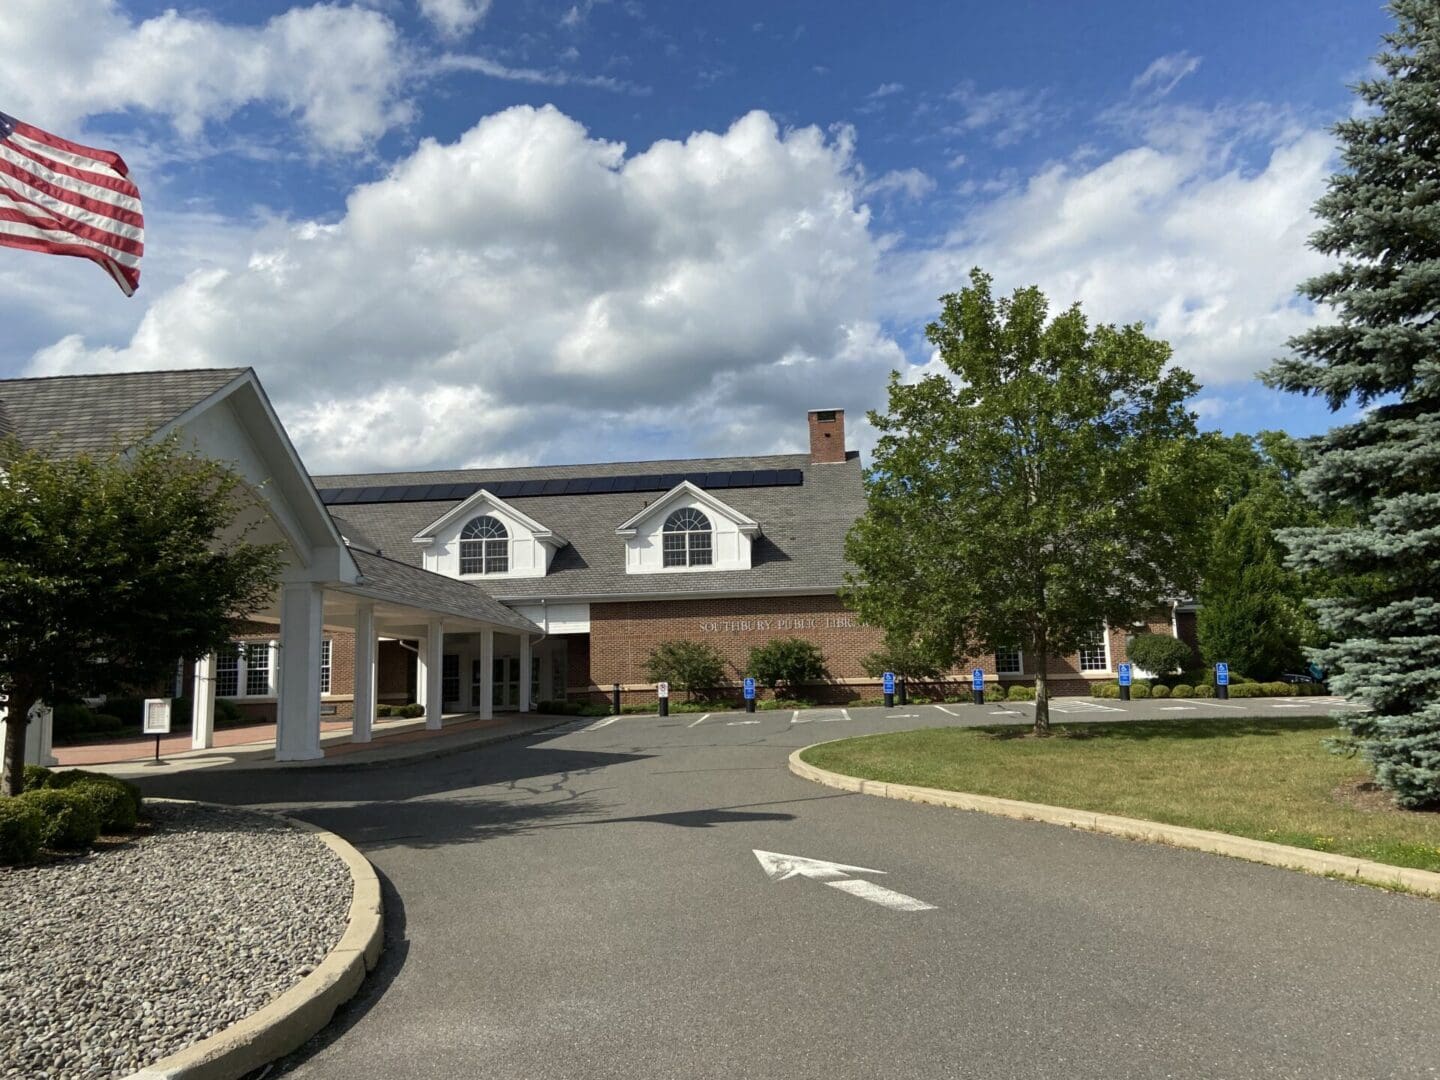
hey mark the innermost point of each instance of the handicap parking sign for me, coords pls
(1222, 674)
(749, 689)
(977, 678)
(1124, 674)
(889, 679)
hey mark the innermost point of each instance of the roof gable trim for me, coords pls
(482, 498)
(746, 524)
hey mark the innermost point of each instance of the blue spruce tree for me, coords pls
(1381, 219)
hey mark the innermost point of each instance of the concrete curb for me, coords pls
(288, 1021)
(1424, 882)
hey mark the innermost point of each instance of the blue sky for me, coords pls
(457, 231)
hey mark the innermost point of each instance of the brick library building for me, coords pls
(610, 560)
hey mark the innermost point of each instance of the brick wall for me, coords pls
(623, 634)
(394, 674)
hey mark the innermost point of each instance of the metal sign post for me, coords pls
(1222, 681)
(662, 692)
(749, 694)
(888, 684)
(156, 721)
(1125, 682)
(977, 685)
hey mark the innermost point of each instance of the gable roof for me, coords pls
(802, 549)
(747, 525)
(543, 533)
(390, 579)
(74, 414)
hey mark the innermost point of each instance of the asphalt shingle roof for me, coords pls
(414, 587)
(73, 414)
(802, 546)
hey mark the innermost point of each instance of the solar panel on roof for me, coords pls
(327, 495)
(716, 480)
(532, 487)
(577, 485)
(764, 477)
(505, 489)
(648, 482)
(602, 484)
(624, 483)
(553, 487)
(742, 478)
(789, 477)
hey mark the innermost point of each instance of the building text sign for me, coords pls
(157, 716)
(787, 623)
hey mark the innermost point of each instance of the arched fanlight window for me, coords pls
(686, 539)
(484, 547)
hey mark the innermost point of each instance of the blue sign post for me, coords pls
(1222, 680)
(1124, 670)
(888, 687)
(977, 685)
(749, 694)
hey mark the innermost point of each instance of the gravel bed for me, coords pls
(112, 960)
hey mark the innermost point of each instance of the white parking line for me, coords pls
(602, 723)
(947, 712)
(845, 713)
(1218, 704)
(795, 717)
(1082, 707)
(702, 719)
(733, 723)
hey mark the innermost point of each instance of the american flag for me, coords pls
(62, 198)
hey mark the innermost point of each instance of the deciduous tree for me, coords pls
(1049, 481)
(112, 568)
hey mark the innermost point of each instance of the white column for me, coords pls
(202, 709)
(434, 674)
(421, 680)
(524, 672)
(487, 674)
(45, 722)
(302, 613)
(365, 654)
(547, 674)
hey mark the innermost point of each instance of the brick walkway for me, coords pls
(334, 736)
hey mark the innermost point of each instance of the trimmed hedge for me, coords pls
(997, 692)
(72, 777)
(1020, 692)
(1204, 690)
(1139, 690)
(71, 818)
(21, 826)
(119, 810)
(1160, 691)
(35, 776)
(1182, 690)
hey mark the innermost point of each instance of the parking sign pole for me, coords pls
(888, 688)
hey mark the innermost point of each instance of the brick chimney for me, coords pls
(827, 436)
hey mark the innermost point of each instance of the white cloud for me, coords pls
(911, 183)
(535, 76)
(1165, 73)
(506, 296)
(886, 90)
(1008, 116)
(1206, 253)
(455, 18)
(337, 70)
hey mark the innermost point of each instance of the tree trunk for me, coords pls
(17, 719)
(1042, 689)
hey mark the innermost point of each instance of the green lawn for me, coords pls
(1257, 777)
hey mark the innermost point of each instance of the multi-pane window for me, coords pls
(1009, 661)
(257, 669)
(1093, 654)
(325, 666)
(484, 547)
(687, 539)
(227, 671)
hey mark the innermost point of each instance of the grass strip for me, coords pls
(1268, 779)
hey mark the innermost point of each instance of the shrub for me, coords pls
(1160, 690)
(1019, 692)
(228, 714)
(1140, 690)
(1204, 690)
(35, 776)
(1277, 689)
(71, 777)
(21, 826)
(786, 662)
(71, 820)
(75, 721)
(1105, 689)
(686, 665)
(411, 711)
(783, 704)
(997, 692)
(1159, 653)
(117, 810)
(1182, 690)
(1247, 690)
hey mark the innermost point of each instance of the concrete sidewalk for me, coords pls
(394, 741)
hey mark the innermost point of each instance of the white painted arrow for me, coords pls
(837, 875)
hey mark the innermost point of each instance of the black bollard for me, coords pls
(615, 699)
(1124, 692)
(749, 704)
(664, 706)
(900, 696)
(979, 696)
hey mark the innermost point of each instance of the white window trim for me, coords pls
(242, 673)
(1109, 668)
(1020, 674)
(327, 666)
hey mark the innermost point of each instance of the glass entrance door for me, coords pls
(507, 682)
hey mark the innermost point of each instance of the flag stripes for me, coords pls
(61, 198)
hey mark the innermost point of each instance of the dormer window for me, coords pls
(484, 546)
(687, 539)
